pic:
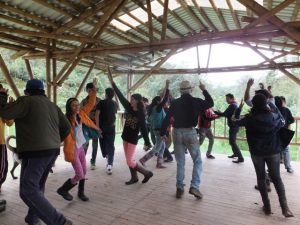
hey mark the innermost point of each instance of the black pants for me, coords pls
(107, 142)
(273, 164)
(3, 164)
(232, 141)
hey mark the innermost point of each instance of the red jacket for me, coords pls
(205, 118)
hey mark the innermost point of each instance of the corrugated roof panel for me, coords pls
(212, 15)
(188, 19)
(228, 19)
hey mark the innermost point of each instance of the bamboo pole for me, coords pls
(85, 79)
(54, 73)
(48, 70)
(8, 77)
(29, 70)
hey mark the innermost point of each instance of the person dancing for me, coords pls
(134, 123)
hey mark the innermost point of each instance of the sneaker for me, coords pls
(290, 170)
(195, 192)
(68, 222)
(93, 166)
(109, 169)
(147, 147)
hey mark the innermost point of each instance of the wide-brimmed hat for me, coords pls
(34, 84)
(185, 86)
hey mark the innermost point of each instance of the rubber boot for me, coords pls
(64, 190)
(285, 209)
(134, 177)
(147, 174)
(81, 194)
(146, 157)
(159, 163)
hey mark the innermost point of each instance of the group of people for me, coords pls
(41, 127)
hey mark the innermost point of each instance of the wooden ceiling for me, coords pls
(139, 36)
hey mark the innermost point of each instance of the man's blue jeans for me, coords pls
(187, 138)
(34, 173)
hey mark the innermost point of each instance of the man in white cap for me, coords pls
(40, 128)
(185, 111)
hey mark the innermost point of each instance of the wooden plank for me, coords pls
(219, 14)
(48, 71)
(150, 26)
(54, 73)
(84, 80)
(205, 16)
(260, 11)
(233, 14)
(165, 20)
(29, 70)
(8, 77)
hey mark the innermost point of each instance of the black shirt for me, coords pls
(108, 109)
(134, 121)
(185, 111)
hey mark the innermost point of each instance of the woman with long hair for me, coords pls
(156, 115)
(134, 123)
(262, 131)
(83, 128)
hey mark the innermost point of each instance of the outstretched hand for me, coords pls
(95, 83)
(109, 74)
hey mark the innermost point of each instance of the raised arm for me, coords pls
(165, 97)
(121, 97)
(88, 107)
(247, 92)
(209, 102)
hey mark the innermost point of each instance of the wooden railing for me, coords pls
(220, 129)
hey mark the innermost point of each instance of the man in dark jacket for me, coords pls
(40, 128)
(185, 111)
(233, 129)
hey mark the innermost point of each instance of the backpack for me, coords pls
(156, 118)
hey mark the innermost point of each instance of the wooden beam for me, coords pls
(189, 41)
(192, 14)
(260, 11)
(234, 15)
(205, 16)
(220, 15)
(8, 77)
(29, 70)
(148, 74)
(54, 73)
(50, 35)
(162, 71)
(165, 20)
(269, 14)
(48, 70)
(150, 26)
(283, 70)
(85, 79)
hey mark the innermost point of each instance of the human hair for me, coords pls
(283, 99)
(33, 92)
(89, 86)
(110, 93)
(259, 102)
(69, 112)
(278, 102)
(1, 86)
(146, 100)
(140, 104)
(229, 95)
(155, 101)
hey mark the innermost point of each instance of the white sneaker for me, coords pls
(109, 169)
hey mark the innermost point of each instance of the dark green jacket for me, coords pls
(40, 124)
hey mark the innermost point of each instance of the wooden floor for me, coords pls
(229, 196)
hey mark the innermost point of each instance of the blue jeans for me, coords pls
(159, 146)
(34, 173)
(203, 133)
(107, 143)
(273, 164)
(187, 137)
(286, 158)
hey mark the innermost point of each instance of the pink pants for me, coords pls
(79, 165)
(129, 150)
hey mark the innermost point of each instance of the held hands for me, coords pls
(202, 86)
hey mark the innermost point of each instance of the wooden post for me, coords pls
(54, 73)
(8, 77)
(129, 85)
(48, 70)
(84, 80)
(29, 70)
